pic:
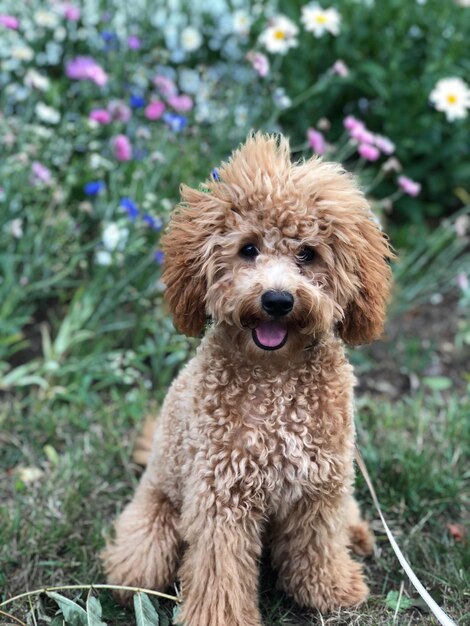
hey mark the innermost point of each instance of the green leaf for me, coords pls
(94, 611)
(145, 612)
(397, 603)
(72, 612)
(437, 383)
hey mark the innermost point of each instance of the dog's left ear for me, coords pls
(186, 246)
(365, 315)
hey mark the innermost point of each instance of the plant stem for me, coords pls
(61, 588)
(10, 616)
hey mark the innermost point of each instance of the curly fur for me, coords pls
(252, 447)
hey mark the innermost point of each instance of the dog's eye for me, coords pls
(249, 251)
(306, 255)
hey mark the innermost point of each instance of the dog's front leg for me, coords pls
(219, 574)
(309, 548)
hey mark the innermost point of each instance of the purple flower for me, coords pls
(340, 68)
(102, 116)
(159, 257)
(384, 144)
(93, 188)
(154, 110)
(175, 122)
(215, 174)
(350, 122)
(181, 103)
(134, 42)
(165, 85)
(122, 148)
(130, 207)
(368, 152)
(71, 13)
(136, 101)
(119, 111)
(259, 62)
(409, 186)
(9, 21)
(154, 223)
(86, 68)
(316, 141)
(40, 173)
(361, 134)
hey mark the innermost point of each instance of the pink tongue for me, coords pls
(270, 334)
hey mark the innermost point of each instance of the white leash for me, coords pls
(441, 617)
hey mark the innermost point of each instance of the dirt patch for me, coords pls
(417, 345)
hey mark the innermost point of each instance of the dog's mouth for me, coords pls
(270, 335)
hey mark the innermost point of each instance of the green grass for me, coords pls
(52, 529)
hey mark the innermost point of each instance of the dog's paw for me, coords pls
(361, 539)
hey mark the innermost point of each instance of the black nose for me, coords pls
(277, 303)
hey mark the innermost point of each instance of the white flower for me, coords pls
(452, 97)
(114, 237)
(47, 114)
(36, 80)
(241, 23)
(46, 19)
(22, 53)
(16, 228)
(191, 39)
(280, 35)
(103, 257)
(320, 21)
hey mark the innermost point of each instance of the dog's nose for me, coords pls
(277, 303)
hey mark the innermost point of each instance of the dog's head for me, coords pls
(280, 253)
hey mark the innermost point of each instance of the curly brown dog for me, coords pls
(255, 440)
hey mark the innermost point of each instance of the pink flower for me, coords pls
(102, 116)
(9, 21)
(85, 68)
(119, 111)
(165, 85)
(154, 110)
(409, 186)
(350, 122)
(40, 173)
(361, 134)
(122, 148)
(368, 152)
(259, 61)
(316, 141)
(462, 281)
(180, 103)
(133, 42)
(71, 13)
(384, 144)
(340, 68)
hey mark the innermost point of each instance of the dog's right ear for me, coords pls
(186, 246)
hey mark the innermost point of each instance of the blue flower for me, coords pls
(108, 35)
(130, 207)
(154, 223)
(93, 188)
(136, 101)
(215, 174)
(159, 257)
(175, 122)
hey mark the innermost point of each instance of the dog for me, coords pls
(283, 264)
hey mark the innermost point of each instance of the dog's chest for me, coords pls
(271, 442)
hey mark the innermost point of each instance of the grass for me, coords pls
(52, 528)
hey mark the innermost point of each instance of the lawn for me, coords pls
(67, 471)
(106, 107)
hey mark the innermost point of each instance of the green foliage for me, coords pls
(396, 51)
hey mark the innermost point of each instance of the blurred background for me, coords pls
(105, 107)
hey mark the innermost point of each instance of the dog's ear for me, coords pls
(364, 316)
(186, 246)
